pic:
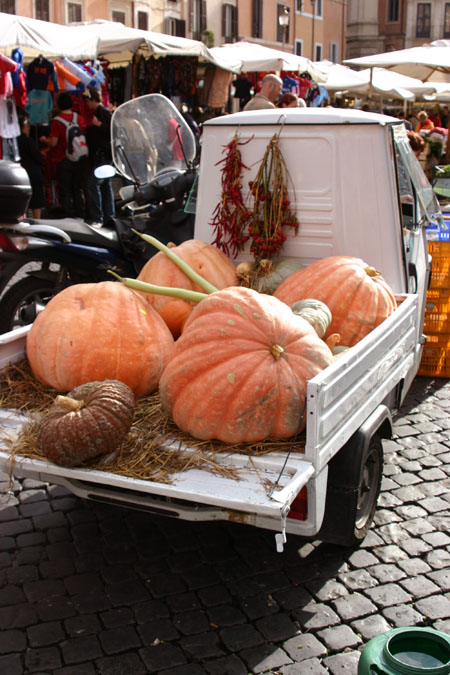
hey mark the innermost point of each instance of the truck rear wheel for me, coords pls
(354, 481)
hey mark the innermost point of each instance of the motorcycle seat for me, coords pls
(82, 233)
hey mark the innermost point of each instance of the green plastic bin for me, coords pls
(407, 651)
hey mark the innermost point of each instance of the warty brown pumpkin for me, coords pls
(92, 420)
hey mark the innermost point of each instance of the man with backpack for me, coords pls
(69, 151)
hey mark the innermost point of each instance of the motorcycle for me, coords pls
(154, 150)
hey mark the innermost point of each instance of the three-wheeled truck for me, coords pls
(357, 190)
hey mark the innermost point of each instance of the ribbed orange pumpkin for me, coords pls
(99, 332)
(238, 372)
(211, 263)
(357, 295)
(175, 314)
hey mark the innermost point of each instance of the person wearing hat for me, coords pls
(98, 135)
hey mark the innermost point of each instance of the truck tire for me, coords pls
(18, 304)
(354, 481)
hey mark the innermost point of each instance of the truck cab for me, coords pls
(356, 186)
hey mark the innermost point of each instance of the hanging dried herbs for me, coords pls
(234, 223)
(231, 217)
(271, 206)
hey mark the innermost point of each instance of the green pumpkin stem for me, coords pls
(184, 267)
(181, 293)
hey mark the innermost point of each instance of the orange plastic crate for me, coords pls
(439, 249)
(438, 294)
(440, 272)
(436, 323)
(436, 356)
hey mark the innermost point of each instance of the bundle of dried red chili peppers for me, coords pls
(271, 206)
(231, 217)
(234, 224)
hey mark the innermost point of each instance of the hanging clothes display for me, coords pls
(41, 74)
(39, 106)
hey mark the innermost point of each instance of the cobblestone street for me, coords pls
(87, 588)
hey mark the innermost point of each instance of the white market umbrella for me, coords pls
(372, 80)
(36, 37)
(258, 58)
(429, 63)
(338, 77)
(118, 43)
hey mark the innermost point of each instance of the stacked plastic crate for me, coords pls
(436, 352)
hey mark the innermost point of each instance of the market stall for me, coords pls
(141, 62)
(299, 73)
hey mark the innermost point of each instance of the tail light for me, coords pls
(299, 507)
(6, 244)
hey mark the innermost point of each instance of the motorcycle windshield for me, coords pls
(146, 133)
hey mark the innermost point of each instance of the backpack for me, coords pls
(76, 146)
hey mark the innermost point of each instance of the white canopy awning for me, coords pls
(258, 58)
(372, 80)
(118, 43)
(42, 37)
(427, 63)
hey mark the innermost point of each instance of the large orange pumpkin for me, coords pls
(96, 332)
(238, 372)
(211, 263)
(357, 295)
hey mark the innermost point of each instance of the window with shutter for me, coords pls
(393, 10)
(257, 13)
(74, 12)
(235, 24)
(333, 52)
(447, 20)
(118, 16)
(423, 22)
(299, 47)
(181, 28)
(229, 22)
(142, 20)
(8, 6)
(197, 18)
(42, 10)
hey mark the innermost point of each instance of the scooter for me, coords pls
(38, 258)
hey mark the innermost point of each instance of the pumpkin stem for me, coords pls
(184, 267)
(181, 293)
(372, 272)
(69, 404)
(276, 351)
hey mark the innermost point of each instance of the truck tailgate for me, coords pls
(263, 485)
(343, 395)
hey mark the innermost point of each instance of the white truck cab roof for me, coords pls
(302, 116)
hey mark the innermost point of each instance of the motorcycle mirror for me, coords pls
(105, 171)
(126, 192)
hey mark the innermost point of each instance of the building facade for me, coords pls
(314, 28)
(380, 26)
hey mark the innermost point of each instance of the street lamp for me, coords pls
(283, 20)
(313, 2)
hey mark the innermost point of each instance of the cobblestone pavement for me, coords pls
(99, 589)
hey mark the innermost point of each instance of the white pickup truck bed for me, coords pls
(339, 400)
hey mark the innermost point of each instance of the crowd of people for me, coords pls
(76, 147)
(77, 144)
